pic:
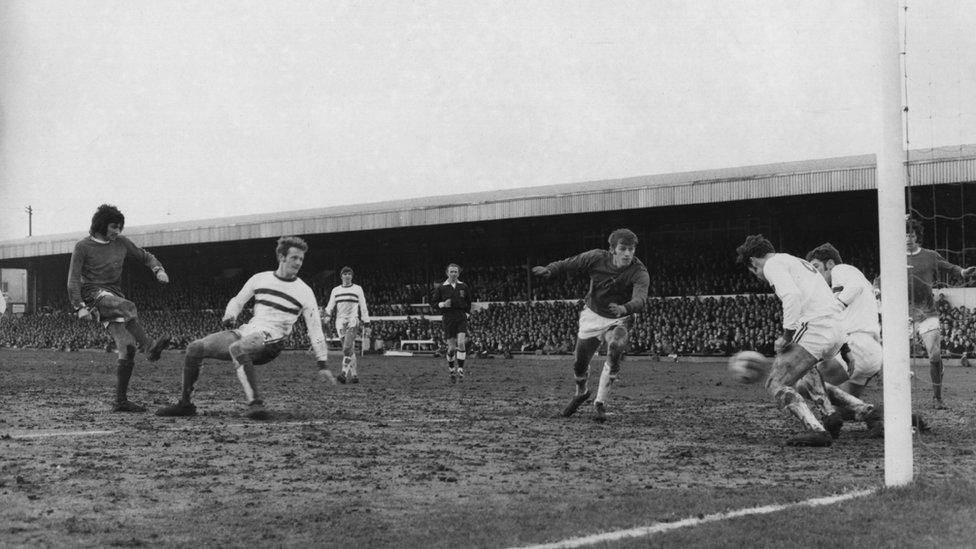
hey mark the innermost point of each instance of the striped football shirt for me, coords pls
(278, 303)
(347, 302)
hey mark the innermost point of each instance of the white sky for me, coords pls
(177, 110)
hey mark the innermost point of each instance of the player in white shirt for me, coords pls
(280, 297)
(852, 290)
(348, 302)
(863, 359)
(812, 331)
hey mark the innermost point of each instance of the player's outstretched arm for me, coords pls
(143, 256)
(236, 303)
(161, 275)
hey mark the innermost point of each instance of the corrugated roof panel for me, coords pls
(934, 166)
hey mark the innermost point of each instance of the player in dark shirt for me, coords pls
(453, 298)
(923, 268)
(618, 289)
(95, 292)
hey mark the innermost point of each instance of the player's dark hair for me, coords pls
(287, 242)
(104, 215)
(449, 265)
(756, 245)
(345, 270)
(913, 225)
(622, 236)
(825, 252)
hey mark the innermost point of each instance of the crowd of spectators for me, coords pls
(668, 326)
(685, 326)
(699, 304)
(958, 330)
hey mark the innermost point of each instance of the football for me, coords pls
(748, 366)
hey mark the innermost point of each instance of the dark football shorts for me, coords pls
(454, 323)
(269, 353)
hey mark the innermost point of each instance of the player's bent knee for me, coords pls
(128, 310)
(616, 347)
(784, 396)
(196, 348)
(246, 345)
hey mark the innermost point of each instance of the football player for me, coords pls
(280, 297)
(812, 331)
(618, 290)
(95, 291)
(348, 303)
(923, 267)
(856, 295)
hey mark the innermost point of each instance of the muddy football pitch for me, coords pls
(406, 458)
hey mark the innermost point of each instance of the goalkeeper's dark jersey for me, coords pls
(608, 284)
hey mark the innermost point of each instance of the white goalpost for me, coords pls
(890, 178)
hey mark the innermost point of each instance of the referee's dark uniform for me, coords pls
(454, 317)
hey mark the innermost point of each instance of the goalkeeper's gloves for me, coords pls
(229, 322)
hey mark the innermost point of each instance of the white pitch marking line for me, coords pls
(211, 426)
(63, 434)
(667, 526)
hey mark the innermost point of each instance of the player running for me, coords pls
(348, 302)
(280, 297)
(924, 266)
(812, 331)
(618, 289)
(453, 298)
(94, 288)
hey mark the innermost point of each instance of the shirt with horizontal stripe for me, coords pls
(278, 302)
(347, 302)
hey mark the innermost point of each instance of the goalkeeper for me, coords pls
(280, 297)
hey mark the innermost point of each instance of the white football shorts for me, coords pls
(821, 337)
(594, 325)
(98, 297)
(867, 354)
(346, 323)
(269, 336)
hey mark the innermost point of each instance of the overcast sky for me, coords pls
(176, 110)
